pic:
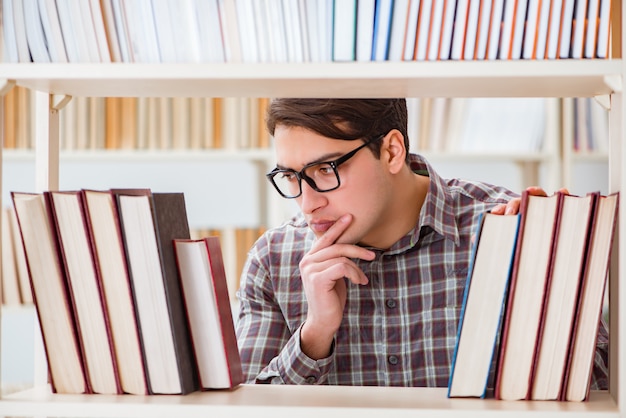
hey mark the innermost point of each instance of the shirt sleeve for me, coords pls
(600, 375)
(270, 352)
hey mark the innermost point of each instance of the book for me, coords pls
(411, 29)
(445, 43)
(589, 310)
(568, 255)
(483, 303)
(460, 26)
(108, 249)
(382, 29)
(10, 289)
(26, 293)
(526, 296)
(565, 39)
(209, 313)
(604, 29)
(344, 30)
(52, 30)
(554, 29)
(35, 34)
(68, 218)
(579, 24)
(50, 296)
(495, 26)
(150, 222)
(397, 30)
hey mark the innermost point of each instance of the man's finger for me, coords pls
(330, 236)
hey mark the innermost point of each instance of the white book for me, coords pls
(83, 22)
(247, 31)
(578, 29)
(141, 30)
(34, 32)
(382, 26)
(52, 30)
(262, 30)
(495, 26)
(539, 52)
(506, 33)
(565, 40)
(344, 30)
(482, 31)
(365, 29)
(591, 35)
(276, 24)
(8, 30)
(313, 30)
(210, 31)
(229, 23)
(436, 30)
(518, 29)
(604, 27)
(325, 18)
(446, 29)
(554, 29)
(111, 31)
(293, 33)
(100, 31)
(21, 36)
(460, 25)
(426, 29)
(410, 38)
(531, 31)
(471, 32)
(397, 30)
(303, 29)
(126, 53)
(166, 21)
(191, 34)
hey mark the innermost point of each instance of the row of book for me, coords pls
(533, 299)
(303, 30)
(126, 300)
(434, 124)
(15, 287)
(144, 123)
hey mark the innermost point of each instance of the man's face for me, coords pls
(362, 193)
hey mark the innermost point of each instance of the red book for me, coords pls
(50, 294)
(577, 381)
(209, 313)
(108, 249)
(525, 302)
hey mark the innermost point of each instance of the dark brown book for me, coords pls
(577, 381)
(523, 314)
(108, 249)
(85, 289)
(50, 295)
(150, 223)
(207, 301)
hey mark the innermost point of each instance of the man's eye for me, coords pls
(325, 169)
(287, 176)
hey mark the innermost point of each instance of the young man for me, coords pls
(365, 285)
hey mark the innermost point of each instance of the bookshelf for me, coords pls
(564, 78)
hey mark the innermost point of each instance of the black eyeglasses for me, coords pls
(322, 177)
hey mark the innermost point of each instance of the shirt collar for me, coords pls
(437, 212)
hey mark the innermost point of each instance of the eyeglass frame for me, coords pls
(300, 175)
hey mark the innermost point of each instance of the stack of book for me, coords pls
(121, 308)
(533, 300)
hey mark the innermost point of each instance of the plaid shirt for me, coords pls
(399, 330)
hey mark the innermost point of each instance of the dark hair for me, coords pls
(344, 119)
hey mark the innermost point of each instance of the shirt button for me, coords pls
(391, 303)
(311, 380)
(393, 360)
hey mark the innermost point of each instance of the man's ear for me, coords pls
(393, 151)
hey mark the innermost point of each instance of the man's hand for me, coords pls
(325, 269)
(512, 207)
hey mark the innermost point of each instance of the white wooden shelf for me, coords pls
(558, 78)
(289, 401)
(519, 78)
